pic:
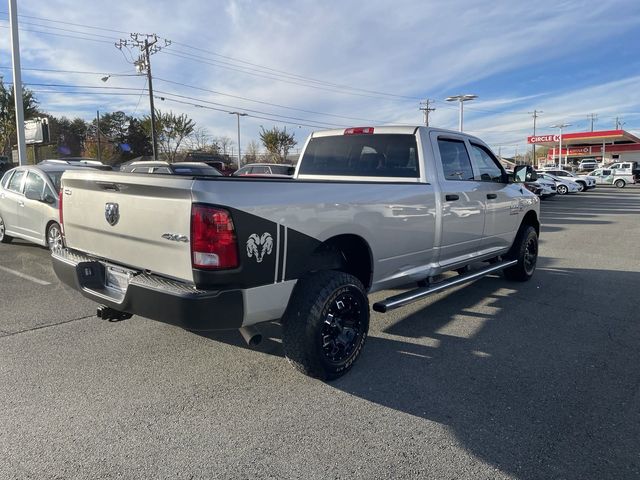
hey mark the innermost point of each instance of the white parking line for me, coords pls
(25, 276)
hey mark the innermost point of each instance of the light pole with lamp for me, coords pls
(560, 126)
(238, 115)
(461, 99)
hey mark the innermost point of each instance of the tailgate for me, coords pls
(139, 220)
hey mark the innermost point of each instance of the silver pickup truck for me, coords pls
(368, 209)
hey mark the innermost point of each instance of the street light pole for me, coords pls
(560, 126)
(238, 115)
(461, 99)
(17, 82)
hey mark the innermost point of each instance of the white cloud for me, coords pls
(417, 49)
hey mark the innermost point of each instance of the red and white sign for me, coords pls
(543, 138)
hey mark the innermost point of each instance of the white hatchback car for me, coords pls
(29, 204)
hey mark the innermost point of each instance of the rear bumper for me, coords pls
(152, 296)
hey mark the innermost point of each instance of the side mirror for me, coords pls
(524, 173)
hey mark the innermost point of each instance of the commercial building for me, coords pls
(610, 145)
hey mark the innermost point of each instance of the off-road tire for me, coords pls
(525, 250)
(620, 183)
(4, 238)
(310, 321)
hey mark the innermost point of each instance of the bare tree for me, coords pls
(224, 143)
(251, 152)
(200, 140)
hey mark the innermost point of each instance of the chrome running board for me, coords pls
(411, 296)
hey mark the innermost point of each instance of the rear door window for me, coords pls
(15, 183)
(377, 155)
(456, 163)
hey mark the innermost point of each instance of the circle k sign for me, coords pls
(543, 138)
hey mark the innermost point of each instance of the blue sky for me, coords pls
(342, 63)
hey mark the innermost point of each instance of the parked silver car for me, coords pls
(29, 204)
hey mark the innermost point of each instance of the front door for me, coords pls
(500, 199)
(463, 205)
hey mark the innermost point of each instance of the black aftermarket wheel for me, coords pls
(525, 251)
(326, 324)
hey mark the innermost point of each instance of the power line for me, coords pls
(247, 109)
(59, 34)
(264, 71)
(276, 78)
(280, 75)
(66, 23)
(266, 103)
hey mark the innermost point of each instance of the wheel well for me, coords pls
(531, 219)
(348, 253)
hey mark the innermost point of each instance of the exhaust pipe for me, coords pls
(251, 335)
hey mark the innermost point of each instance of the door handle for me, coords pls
(491, 196)
(21, 204)
(451, 198)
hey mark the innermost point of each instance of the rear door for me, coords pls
(140, 221)
(463, 202)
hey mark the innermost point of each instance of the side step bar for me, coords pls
(411, 296)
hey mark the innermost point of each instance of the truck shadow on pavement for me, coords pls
(539, 379)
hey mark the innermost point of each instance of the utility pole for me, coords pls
(592, 117)
(535, 114)
(426, 110)
(148, 45)
(98, 132)
(17, 82)
(619, 123)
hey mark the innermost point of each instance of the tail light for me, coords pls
(359, 131)
(60, 206)
(213, 238)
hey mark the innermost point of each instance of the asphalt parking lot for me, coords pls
(495, 380)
